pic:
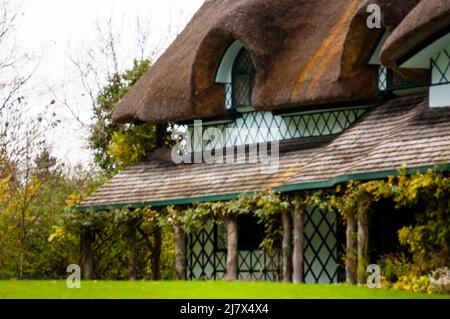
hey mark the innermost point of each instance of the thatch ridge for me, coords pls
(305, 53)
(428, 18)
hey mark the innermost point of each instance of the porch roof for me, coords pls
(403, 131)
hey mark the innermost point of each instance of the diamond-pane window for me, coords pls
(258, 127)
(388, 80)
(321, 246)
(243, 79)
(207, 256)
(441, 68)
(383, 78)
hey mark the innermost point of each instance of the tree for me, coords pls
(118, 145)
(21, 134)
(105, 76)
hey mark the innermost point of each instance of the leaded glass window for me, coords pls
(243, 79)
(441, 68)
(388, 81)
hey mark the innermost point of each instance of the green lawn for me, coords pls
(193, 290)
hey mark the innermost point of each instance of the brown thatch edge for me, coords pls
(427, 22)
(307, 53)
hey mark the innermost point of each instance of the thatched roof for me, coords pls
(305, 52)
(402, 131)
(425, 21)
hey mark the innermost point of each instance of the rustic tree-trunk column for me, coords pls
(363, 245)
(161, 131)
(232, 246)
(87, 253)
(351, 258)
(298, 257)
(156, 254)
(180, 259)
(131, 241)
(287, 247)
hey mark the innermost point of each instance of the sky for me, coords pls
(55, 31)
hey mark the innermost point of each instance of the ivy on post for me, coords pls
(345, 202)
(298, 256)
(180, 251)
(232, 248)
(87, 253)
(363, 243)
(351, 258)
(131, 250)
(287, 246)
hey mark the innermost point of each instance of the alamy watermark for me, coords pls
(374, 279)
(209, 146)
(74, 279)
(374, 19)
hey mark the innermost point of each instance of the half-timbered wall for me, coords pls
(321, 246)
(440, 76)
(260, 127)
(207, 253)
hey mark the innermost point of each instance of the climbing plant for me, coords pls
(111, 246)
(426, 195)
(266, 205)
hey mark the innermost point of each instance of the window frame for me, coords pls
(249, 74)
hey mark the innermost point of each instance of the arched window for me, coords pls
(243, 79)
(237, 72)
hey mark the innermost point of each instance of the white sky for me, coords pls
(54, 30)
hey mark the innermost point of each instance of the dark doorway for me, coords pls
(384, 223)
(251, 233)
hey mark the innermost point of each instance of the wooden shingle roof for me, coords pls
(403, 131)
(161, 180)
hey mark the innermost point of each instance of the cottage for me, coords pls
(335, 99)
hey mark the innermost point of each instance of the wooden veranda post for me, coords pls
(180, 251)
(161, 131)
(298, 257)
(287, 246)
(131, 250)
(351, 258)
(232, 245)
(363, 244)
(87, 253)
(156, 254)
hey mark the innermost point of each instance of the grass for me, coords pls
(15, 289)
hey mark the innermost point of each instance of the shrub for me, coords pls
(413, 283)
(440, 281)
(394, 266)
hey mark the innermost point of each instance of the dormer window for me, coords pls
(440, 84)
(436, 58)
(440, 68)
(243, 79)
(237, 72)
(389, 81)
